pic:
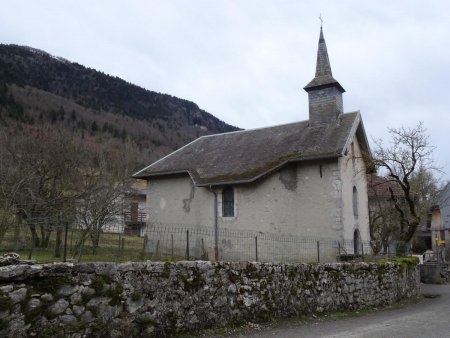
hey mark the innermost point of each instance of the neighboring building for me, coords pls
(131, 216)
(444, 206)
(422, 239)
(440, 222)
(305, 179)
(383, 217)
(135, 212)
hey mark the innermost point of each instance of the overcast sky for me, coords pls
(246, 62)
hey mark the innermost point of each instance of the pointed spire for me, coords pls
(324, 76)
(324, 91)
(323, 67)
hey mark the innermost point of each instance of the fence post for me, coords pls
(318, 252)
(144, 246)
(120, 241)
(71, 240)
(157, 250)
(216, 228)
(171, 247)
(65, 241)
(256, 248)
(30, 254)
(362, 251)
(122, 247)
(16, 235)
(187, 245)
(339, 251)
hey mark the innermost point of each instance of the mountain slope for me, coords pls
(38, 88)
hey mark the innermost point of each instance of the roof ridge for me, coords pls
(268, 127)
(164, 157)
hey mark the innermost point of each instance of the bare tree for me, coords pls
(11, 183)
(100, 202)
(383, 220)
(408, 165)
(45, 167)
(46, 172)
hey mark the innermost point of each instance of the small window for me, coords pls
(228, 202)
(355, 202)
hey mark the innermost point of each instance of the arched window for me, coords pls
(357, 242)
(228, 202)
(355, 202)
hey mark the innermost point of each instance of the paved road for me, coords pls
(430, 317)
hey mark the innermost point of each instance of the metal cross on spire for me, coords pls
(321, 20)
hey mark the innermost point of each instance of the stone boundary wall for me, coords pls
(163, 299)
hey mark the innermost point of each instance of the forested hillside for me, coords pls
(70, 137)
(37, 88)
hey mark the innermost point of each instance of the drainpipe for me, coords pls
(216, 226)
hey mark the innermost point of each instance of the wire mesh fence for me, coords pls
(54, 243)
(182, 241)
(173, 242)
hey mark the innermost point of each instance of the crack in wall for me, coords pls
(187, 201)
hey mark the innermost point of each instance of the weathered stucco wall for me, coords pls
(294, 200)
(353, 174)
(161, 299)
(301, 199)
(176, 200)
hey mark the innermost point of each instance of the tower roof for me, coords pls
(324, 76)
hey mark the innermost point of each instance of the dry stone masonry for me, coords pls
(162, 299)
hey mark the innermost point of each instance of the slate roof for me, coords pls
(244, 156)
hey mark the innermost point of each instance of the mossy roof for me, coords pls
(244, 156)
